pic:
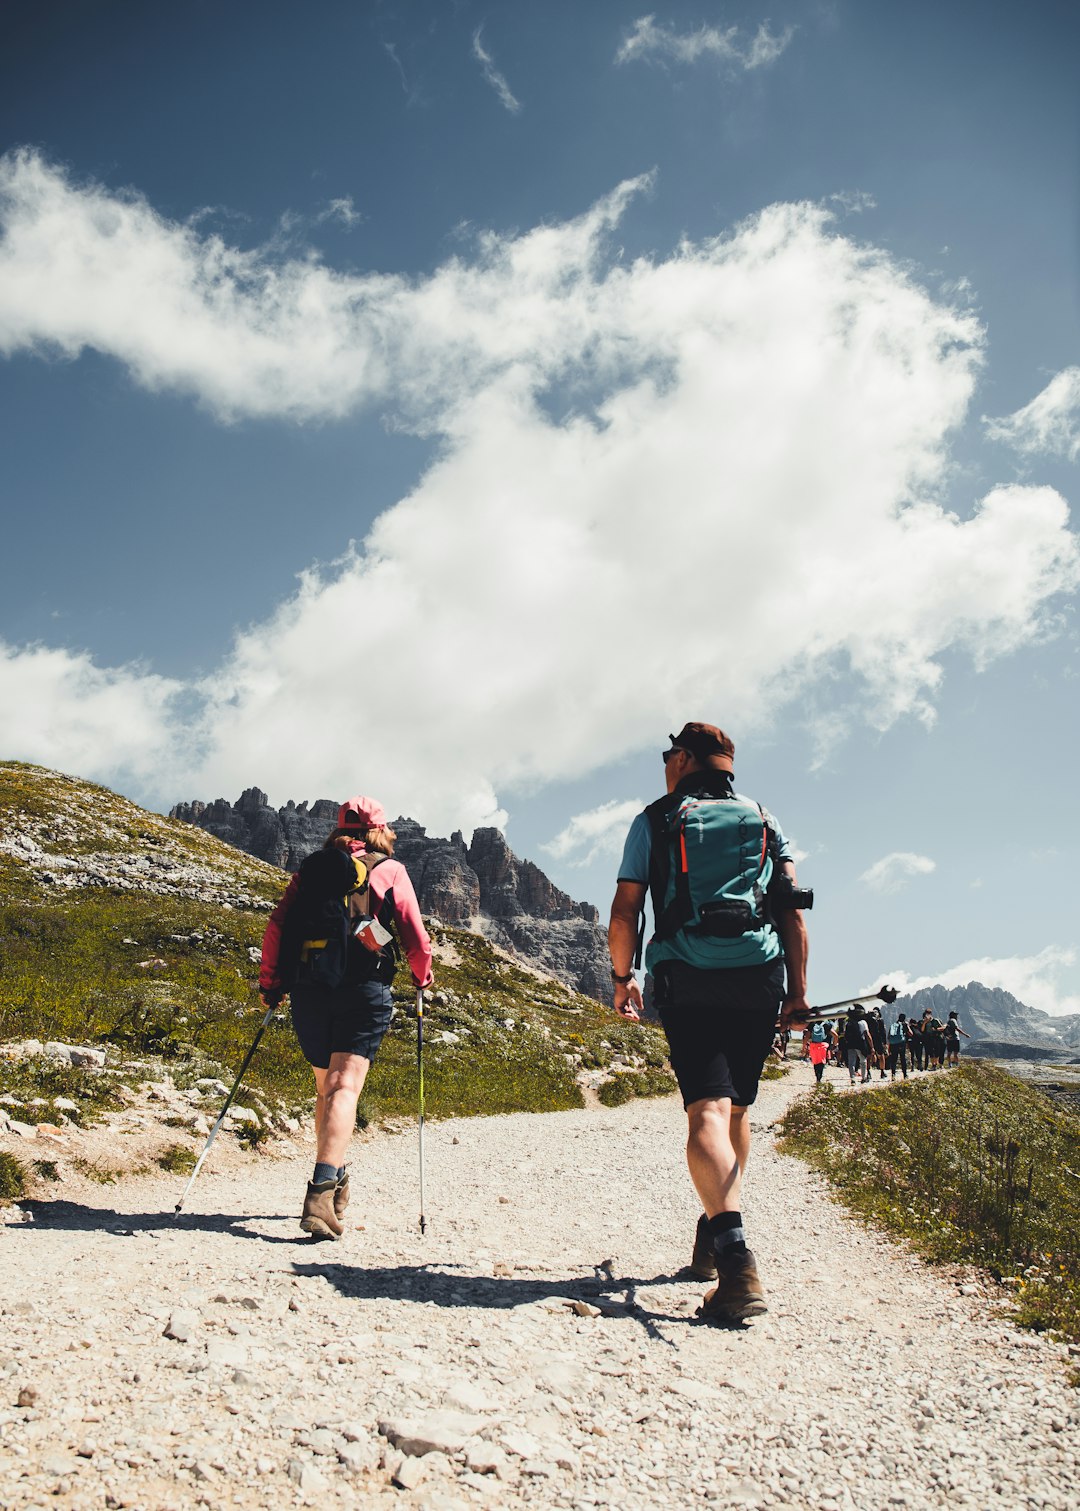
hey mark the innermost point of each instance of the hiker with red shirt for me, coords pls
(341, 1026)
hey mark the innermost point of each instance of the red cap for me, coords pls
(361, 813)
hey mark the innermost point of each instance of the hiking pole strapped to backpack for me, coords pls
(228, 1103)
(420, 1075)
(887, 994)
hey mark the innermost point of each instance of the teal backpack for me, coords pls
(711, 864)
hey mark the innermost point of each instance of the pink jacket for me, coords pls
(388, 878)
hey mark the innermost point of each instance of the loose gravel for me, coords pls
(537, 1346)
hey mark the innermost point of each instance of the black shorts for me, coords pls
(719, 1026)
(349, 1020)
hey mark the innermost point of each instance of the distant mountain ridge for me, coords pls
(999, 1023)
(481, 886)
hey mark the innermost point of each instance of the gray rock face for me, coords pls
(482, 885)
(281, 836)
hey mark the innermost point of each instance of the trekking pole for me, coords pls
(420, 1076)
(887, 994)
(228, 1102)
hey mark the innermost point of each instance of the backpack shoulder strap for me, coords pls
(657, 815)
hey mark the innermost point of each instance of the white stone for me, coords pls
(308, 1479)
(24, 1049)
(522, 1444)
(87, 1058)
(182, 1324)
(359, 1456)
(58, 1463)
(432, 1432)
(222, 1351)
(467, 1397)
(411, 1473)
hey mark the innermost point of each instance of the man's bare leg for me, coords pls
(713, 1152)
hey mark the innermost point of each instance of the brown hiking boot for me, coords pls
(703, 1261)
(318, 1217)
(738, 1293)
(341, 1196)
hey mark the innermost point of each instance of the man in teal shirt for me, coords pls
(725, 962)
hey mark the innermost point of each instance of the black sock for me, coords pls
(324, 1173)
(727, 1234)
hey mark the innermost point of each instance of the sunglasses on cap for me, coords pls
(675, 750)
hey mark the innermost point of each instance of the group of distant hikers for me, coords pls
(727, 959)
(860, 1043)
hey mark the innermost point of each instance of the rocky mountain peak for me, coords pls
(993, 1016)
(481, 885)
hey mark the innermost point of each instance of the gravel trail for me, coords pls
(872, 1382)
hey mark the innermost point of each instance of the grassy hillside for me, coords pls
(119, 926)
(972, 1166)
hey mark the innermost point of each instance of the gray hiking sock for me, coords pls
(341, 1173)
(323, 1174)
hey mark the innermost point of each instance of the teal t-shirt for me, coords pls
(707, 954)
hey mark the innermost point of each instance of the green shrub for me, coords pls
(973, 1166)
(177, 1159)
(775, 1070)
(254, 1135)
(625, 1085)
(12, 1177)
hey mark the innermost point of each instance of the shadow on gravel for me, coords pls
(73, 1217)
(452, 1287)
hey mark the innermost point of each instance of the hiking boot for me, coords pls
(341, 1196)
(703, 1261)
(318, 1217)
(738, 1293)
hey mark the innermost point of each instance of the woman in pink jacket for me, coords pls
(341, 1027)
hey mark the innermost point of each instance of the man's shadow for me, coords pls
(452, 1286)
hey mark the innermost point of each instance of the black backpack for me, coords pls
(856, 1033)
(333, 895)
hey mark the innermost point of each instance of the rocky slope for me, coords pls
(482, 885)
(999, 1024)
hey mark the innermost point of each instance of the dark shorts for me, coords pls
(349, 1020)
(719, 1027)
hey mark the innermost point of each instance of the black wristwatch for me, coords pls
(622, 980)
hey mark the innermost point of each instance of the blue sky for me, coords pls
(517, 380)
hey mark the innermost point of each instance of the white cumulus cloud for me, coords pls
(600, 831)
(893, 872)
(778, 401)
(650, 40)
(1032, 979)
(1050, 424)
